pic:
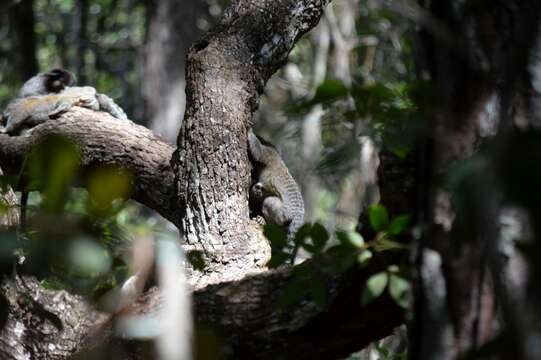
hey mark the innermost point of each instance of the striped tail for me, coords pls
(296, 206)
(294, 226)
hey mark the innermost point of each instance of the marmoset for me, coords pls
(274, 190)
(48, 95)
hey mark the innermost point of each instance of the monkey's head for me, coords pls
(58, 80)
(53, 81)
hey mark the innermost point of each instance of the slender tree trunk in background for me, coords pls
(341, 17)
(62, 39)
(343, 35)
(517, 164)
(24, 21)
(80, 37)
(311, 124)
(460, 247)
(172, 29)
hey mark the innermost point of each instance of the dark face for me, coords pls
(58, 79)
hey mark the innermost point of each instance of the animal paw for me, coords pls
(59, 109)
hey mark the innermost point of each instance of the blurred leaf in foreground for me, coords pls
(105, 185)
(52, 164)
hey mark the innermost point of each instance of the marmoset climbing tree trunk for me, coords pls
(206, 195)
(226, 73)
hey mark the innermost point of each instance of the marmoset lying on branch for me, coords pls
(48, 95)
(274, 191)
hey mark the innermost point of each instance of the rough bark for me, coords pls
(226, 72)
(345, 326)
(45, 324)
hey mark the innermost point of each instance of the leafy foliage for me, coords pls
(75, 239)
(339, 254)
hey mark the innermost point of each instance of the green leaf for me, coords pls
(371, 99)
(401, 152)
(343, 238)
(364, 257)
(319, 236)
(302, 234)
(374, 287)
(399, 289)
(379, 218)
(278, 258)
(276, 235)
(52, 165)
(343, 263)
(52, 284)
(399, 224)
(356, 239)
(329, 90)
(350, 238)
(422, 94)
(105, 185)
(4, 207)
(338, 250)
(8, 181)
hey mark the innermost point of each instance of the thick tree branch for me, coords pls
(243, 314)
(246, 312)
(104, 140)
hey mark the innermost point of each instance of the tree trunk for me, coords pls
(172, 28)
(80, 39)
(24, 20)
(225, 75)
(476, 55)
